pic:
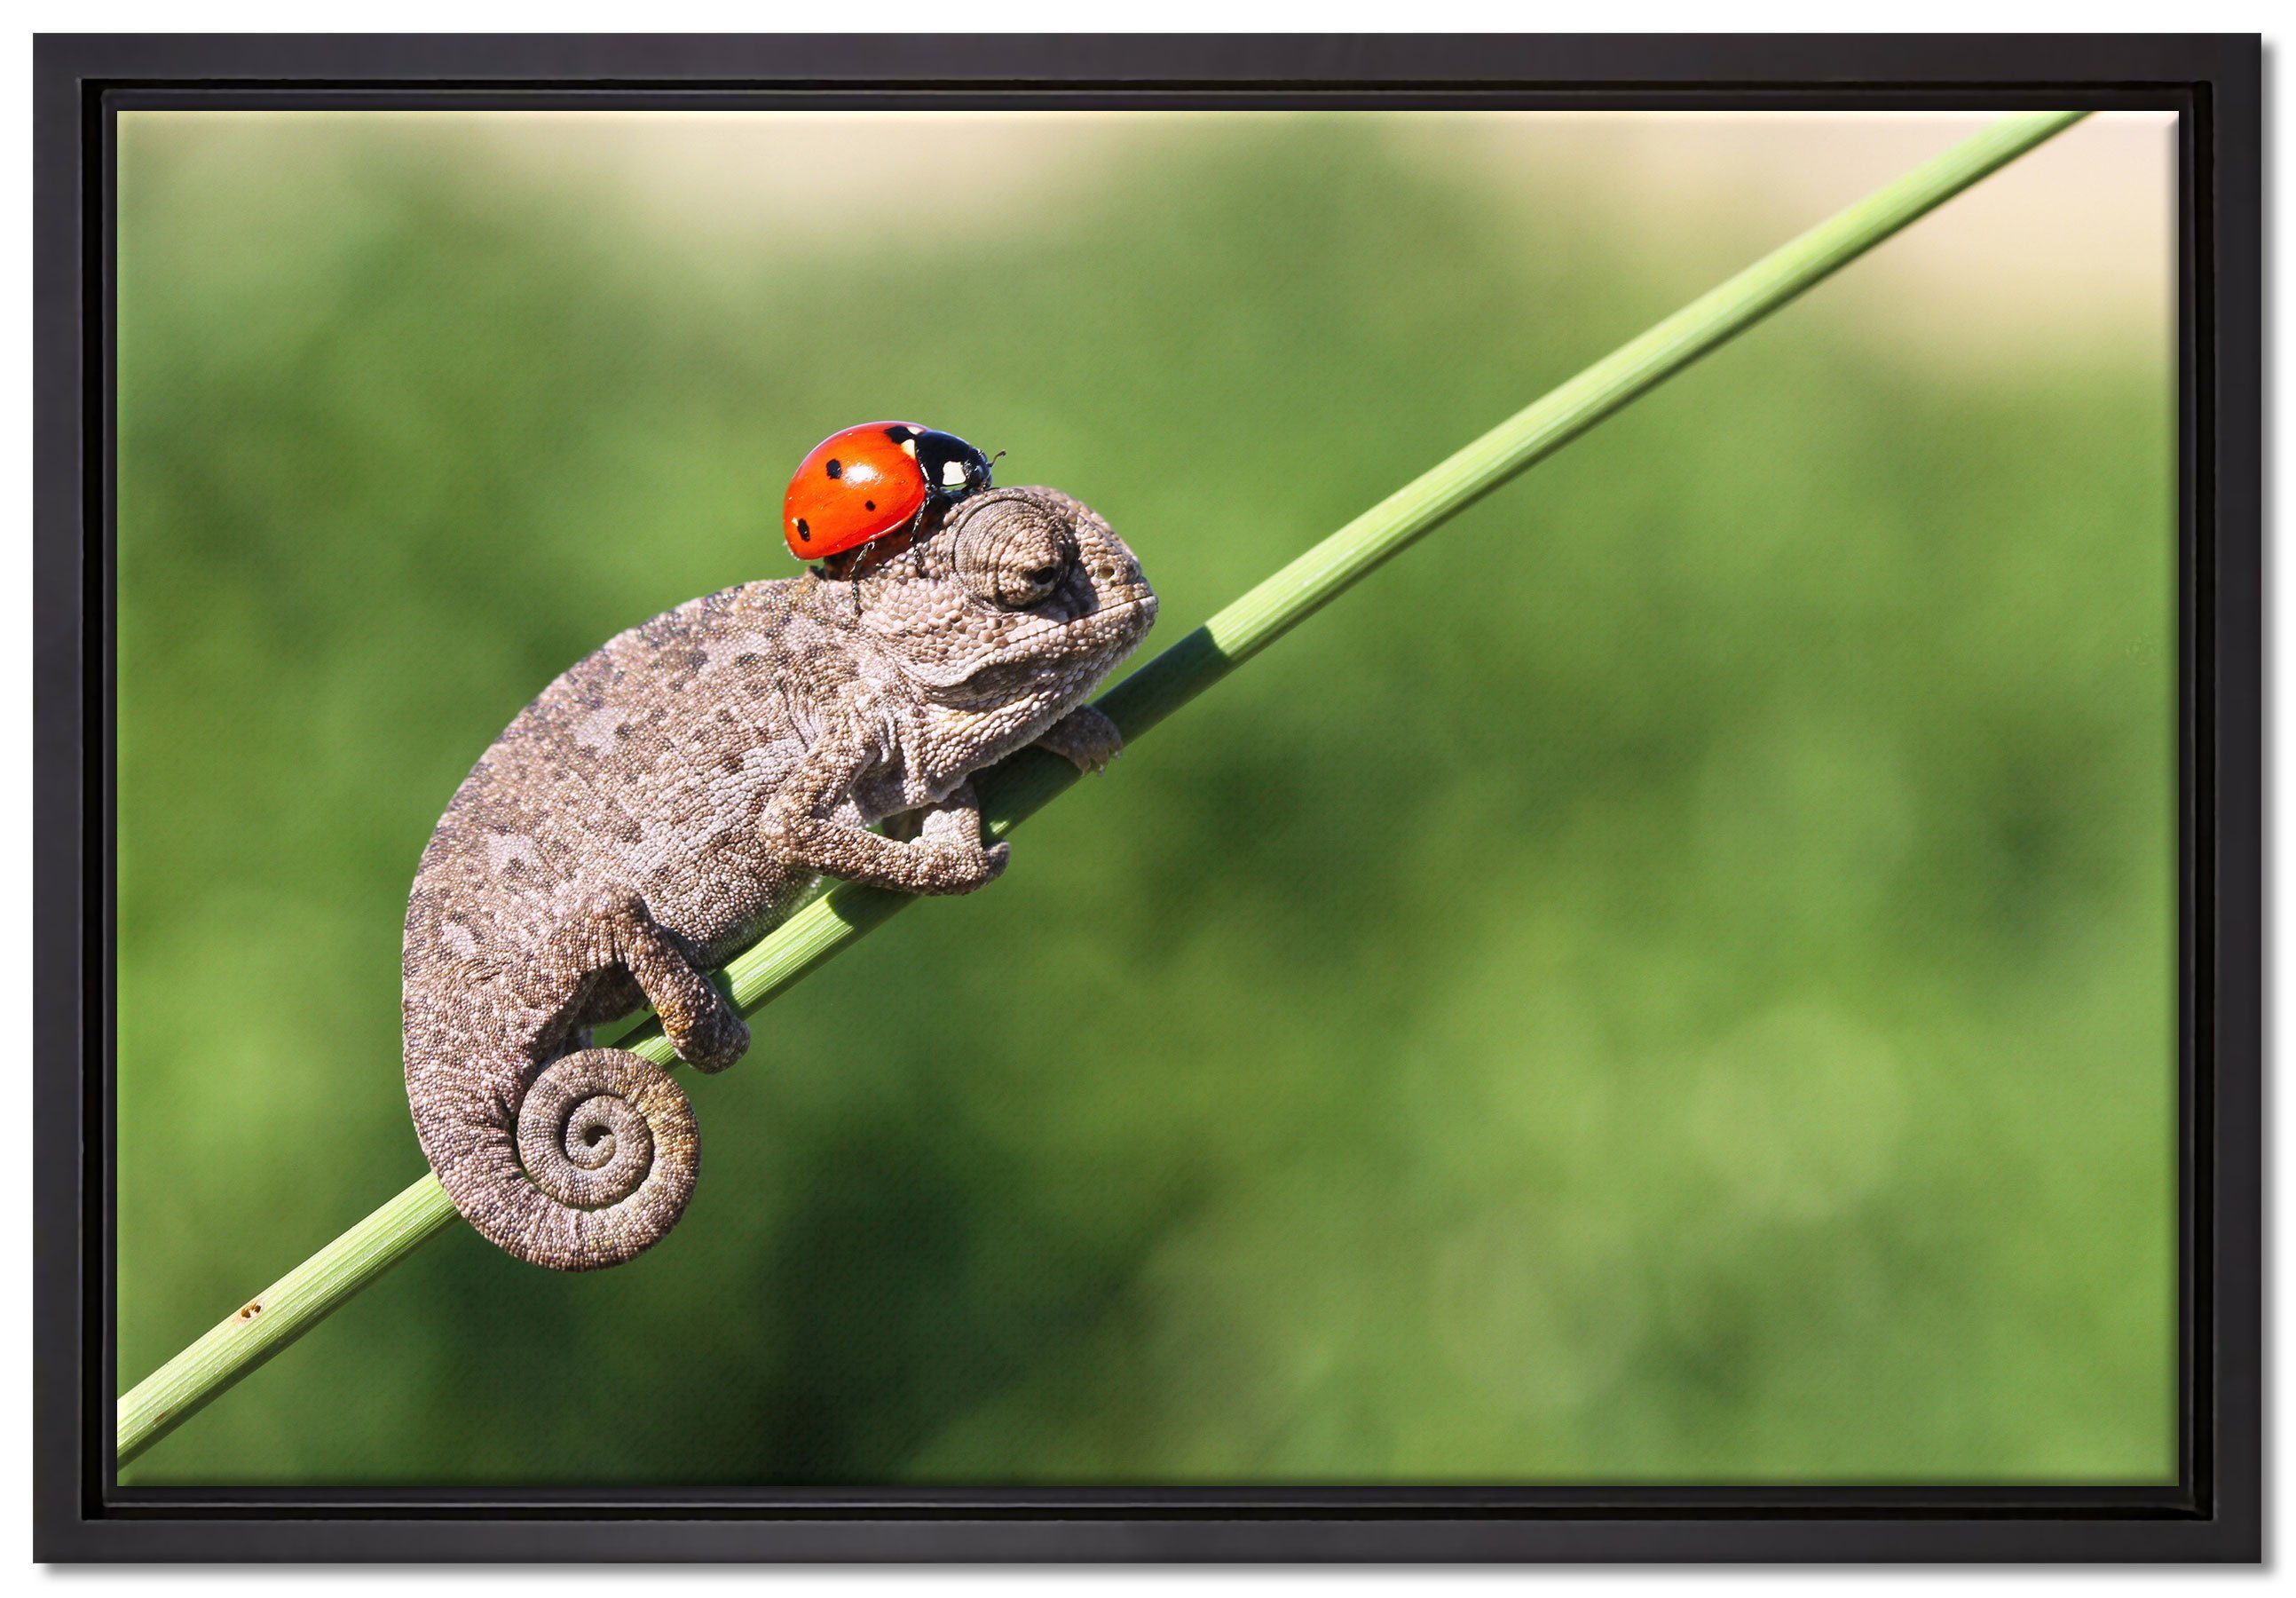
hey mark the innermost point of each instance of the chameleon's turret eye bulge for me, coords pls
(1011, 553)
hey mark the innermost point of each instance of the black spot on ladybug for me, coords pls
(836, 468)
(870, 504)
(804, 533)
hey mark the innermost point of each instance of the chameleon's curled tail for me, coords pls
(598, 1169)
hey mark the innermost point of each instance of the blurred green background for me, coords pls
(1670, 980)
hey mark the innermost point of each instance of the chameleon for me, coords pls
(680, 791)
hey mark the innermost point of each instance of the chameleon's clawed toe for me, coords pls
(716, 1043)
(1086, 739)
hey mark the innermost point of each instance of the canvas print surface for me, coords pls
(1671, 980)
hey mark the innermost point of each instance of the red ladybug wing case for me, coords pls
(854, 485)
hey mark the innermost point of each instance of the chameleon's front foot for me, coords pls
(948, 840)
(1083, 738)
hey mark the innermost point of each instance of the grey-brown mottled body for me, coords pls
(677, 794)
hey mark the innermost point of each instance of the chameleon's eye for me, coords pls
(1011, 553)
(1034, 586)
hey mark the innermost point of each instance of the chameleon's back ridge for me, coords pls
(677, 794)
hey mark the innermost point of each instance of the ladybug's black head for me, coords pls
(953, 468)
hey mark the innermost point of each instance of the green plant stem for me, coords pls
(1018, 788)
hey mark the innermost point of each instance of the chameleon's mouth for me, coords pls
(1113, 610)
(1110, 607)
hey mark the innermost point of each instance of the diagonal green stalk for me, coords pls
(1017, 789)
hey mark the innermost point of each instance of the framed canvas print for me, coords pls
(968, 625)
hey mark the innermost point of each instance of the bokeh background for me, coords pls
(1670, 980)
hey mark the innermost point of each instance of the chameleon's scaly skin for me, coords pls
(674, 794)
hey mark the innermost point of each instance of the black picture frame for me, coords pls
(2214, 82)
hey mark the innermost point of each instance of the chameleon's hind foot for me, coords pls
(699, 1021)
(714, 1041)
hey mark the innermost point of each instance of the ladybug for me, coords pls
(875, 484)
